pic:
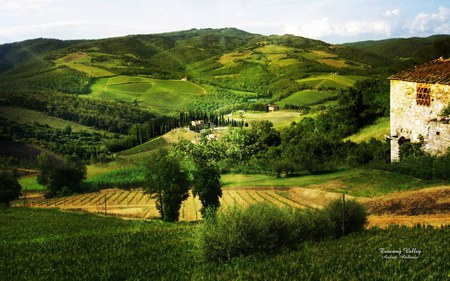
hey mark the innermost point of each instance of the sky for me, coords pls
(332, 21)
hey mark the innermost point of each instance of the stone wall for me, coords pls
(409, 120)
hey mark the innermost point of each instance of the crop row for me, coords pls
(35, 243)
(138, 204)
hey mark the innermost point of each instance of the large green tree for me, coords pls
(169, 183)
(9, 187)
(61, 178)
(207, 185)
(201, 160)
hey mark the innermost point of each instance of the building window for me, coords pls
(423, 95)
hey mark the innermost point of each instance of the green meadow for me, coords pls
(378, 130)
(162, 96)
(304, 97)
(355, 182)
(331, 81)
(279, 119)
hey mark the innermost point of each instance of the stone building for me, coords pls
(418, 97)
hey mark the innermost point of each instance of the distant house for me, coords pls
(418, 96)
(272, 107)
(197, 125)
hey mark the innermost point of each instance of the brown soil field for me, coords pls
(429, 206)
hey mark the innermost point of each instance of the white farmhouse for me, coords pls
(418, 96)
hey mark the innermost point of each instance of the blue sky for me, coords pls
(333, 21)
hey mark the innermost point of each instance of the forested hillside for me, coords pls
(128, 90)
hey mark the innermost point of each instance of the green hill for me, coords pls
(416, 49)
(115, 83)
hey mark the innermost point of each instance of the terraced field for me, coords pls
(82, 62)
(305, 97)
(161, 96)
(331, 81)
(136, 204)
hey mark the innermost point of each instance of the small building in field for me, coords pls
(197, 125)
(272, 107)
(417, 99)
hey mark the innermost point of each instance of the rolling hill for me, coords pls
(199, 71)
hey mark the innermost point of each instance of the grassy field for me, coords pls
(331, 81)
(82, 62)
(378, 130)
(35, 244)
(26, 116)
(304, 97)
(273, 55)
(163, 96)
(355, 182)
(30, 183)
(279, 118)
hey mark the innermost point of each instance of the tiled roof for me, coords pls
(436, 71)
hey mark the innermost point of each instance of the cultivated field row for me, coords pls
(137, 204)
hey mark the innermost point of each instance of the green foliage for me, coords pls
(169, 183)
(445, 111)
(201, 159)
(373, 151)
(260, 228)
(423, 166)
(41, 75)
(61, 178)
(110, 116)
(35, 244)
(419, 49)
(348, 219)
(126, 178)
(9, 187)
(207, 185)
(87, 146)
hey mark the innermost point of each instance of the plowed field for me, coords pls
(424, 206)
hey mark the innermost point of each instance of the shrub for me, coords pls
(311, 225)
(355, 216)
(260, 228)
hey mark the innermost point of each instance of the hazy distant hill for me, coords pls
(13, 54)
(417, 49)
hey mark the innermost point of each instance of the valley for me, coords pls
(141, 154)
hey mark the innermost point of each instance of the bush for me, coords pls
(260, 228)
(9, 188)
(355, 216)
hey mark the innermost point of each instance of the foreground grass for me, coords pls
(356, 182)
(53, 245)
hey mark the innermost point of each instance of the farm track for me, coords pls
(425, 206)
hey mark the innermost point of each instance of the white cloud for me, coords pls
(357, 28)
(31, 29)
(430, 23)
(325, 28)
(26, 7)
(391, 13)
